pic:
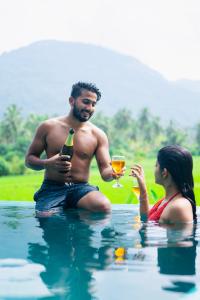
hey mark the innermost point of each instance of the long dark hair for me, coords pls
(178, 161)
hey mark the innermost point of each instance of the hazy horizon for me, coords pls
(163, 35)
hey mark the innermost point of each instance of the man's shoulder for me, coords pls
(96, 130)
(48, 125)
(52, 121)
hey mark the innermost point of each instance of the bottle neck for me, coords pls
(69, 141)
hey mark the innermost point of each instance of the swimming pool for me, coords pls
(79, 255)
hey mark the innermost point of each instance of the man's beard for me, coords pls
(78, 114)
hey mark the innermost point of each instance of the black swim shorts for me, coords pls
(53, 194)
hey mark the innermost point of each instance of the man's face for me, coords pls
(84, 105)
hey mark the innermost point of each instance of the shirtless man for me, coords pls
(66, 183)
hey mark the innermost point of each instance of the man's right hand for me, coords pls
(59, 163)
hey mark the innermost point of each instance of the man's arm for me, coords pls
(38, 145)
(103, 157)
(36, 148)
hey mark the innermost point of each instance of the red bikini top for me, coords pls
(156, 211)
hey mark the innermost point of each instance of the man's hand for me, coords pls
(58, 163)
(118, 175)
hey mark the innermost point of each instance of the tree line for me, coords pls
(135, 137)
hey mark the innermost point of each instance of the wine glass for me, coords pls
(136, 188)
(118, 163)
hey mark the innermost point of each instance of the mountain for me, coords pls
(191, 85)
(38, 78)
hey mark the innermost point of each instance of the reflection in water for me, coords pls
(69, 256)
(13, 216)
(177, 256)
(120, 255)
(177, 260)
(90, 256)
(19, 279)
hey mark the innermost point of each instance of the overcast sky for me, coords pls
(164, 34)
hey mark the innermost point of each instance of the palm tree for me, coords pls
(11, 124)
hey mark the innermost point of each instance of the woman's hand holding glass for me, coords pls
(139, 186)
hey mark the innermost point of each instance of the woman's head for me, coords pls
(177, 161)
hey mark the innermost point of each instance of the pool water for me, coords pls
(80, 255)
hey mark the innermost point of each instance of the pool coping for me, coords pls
(32, 204)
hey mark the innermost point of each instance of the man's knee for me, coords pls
(104, 206)
(95, 202)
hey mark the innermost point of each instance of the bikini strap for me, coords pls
(173, 196)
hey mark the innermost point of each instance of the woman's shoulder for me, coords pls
(180, 203)
(180, 210)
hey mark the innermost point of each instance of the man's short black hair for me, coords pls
(79, 86)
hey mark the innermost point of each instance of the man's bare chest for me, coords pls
(85, 143)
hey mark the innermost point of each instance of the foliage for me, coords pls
(16, 134)
(11, 125)
(198, 137)
(23, 187)
(154, 195)
(4, 167)
(136, 138)
(174, 136)
(17, 166)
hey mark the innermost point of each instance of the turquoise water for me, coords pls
(79, 255)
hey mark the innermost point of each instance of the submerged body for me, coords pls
(174, 172)
(163, 210)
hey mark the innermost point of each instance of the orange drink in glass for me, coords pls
(118, 163)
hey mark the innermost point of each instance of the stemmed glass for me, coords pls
(118, 163)
(136, 188)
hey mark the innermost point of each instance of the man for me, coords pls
(66, 183)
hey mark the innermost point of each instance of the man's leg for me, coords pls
(50, 198)
(95, 201)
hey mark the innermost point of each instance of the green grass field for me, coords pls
(23, 187)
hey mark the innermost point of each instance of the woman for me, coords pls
(174, 172)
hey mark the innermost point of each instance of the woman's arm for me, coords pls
(138, 173)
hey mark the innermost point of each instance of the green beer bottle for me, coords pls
(67, 148)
